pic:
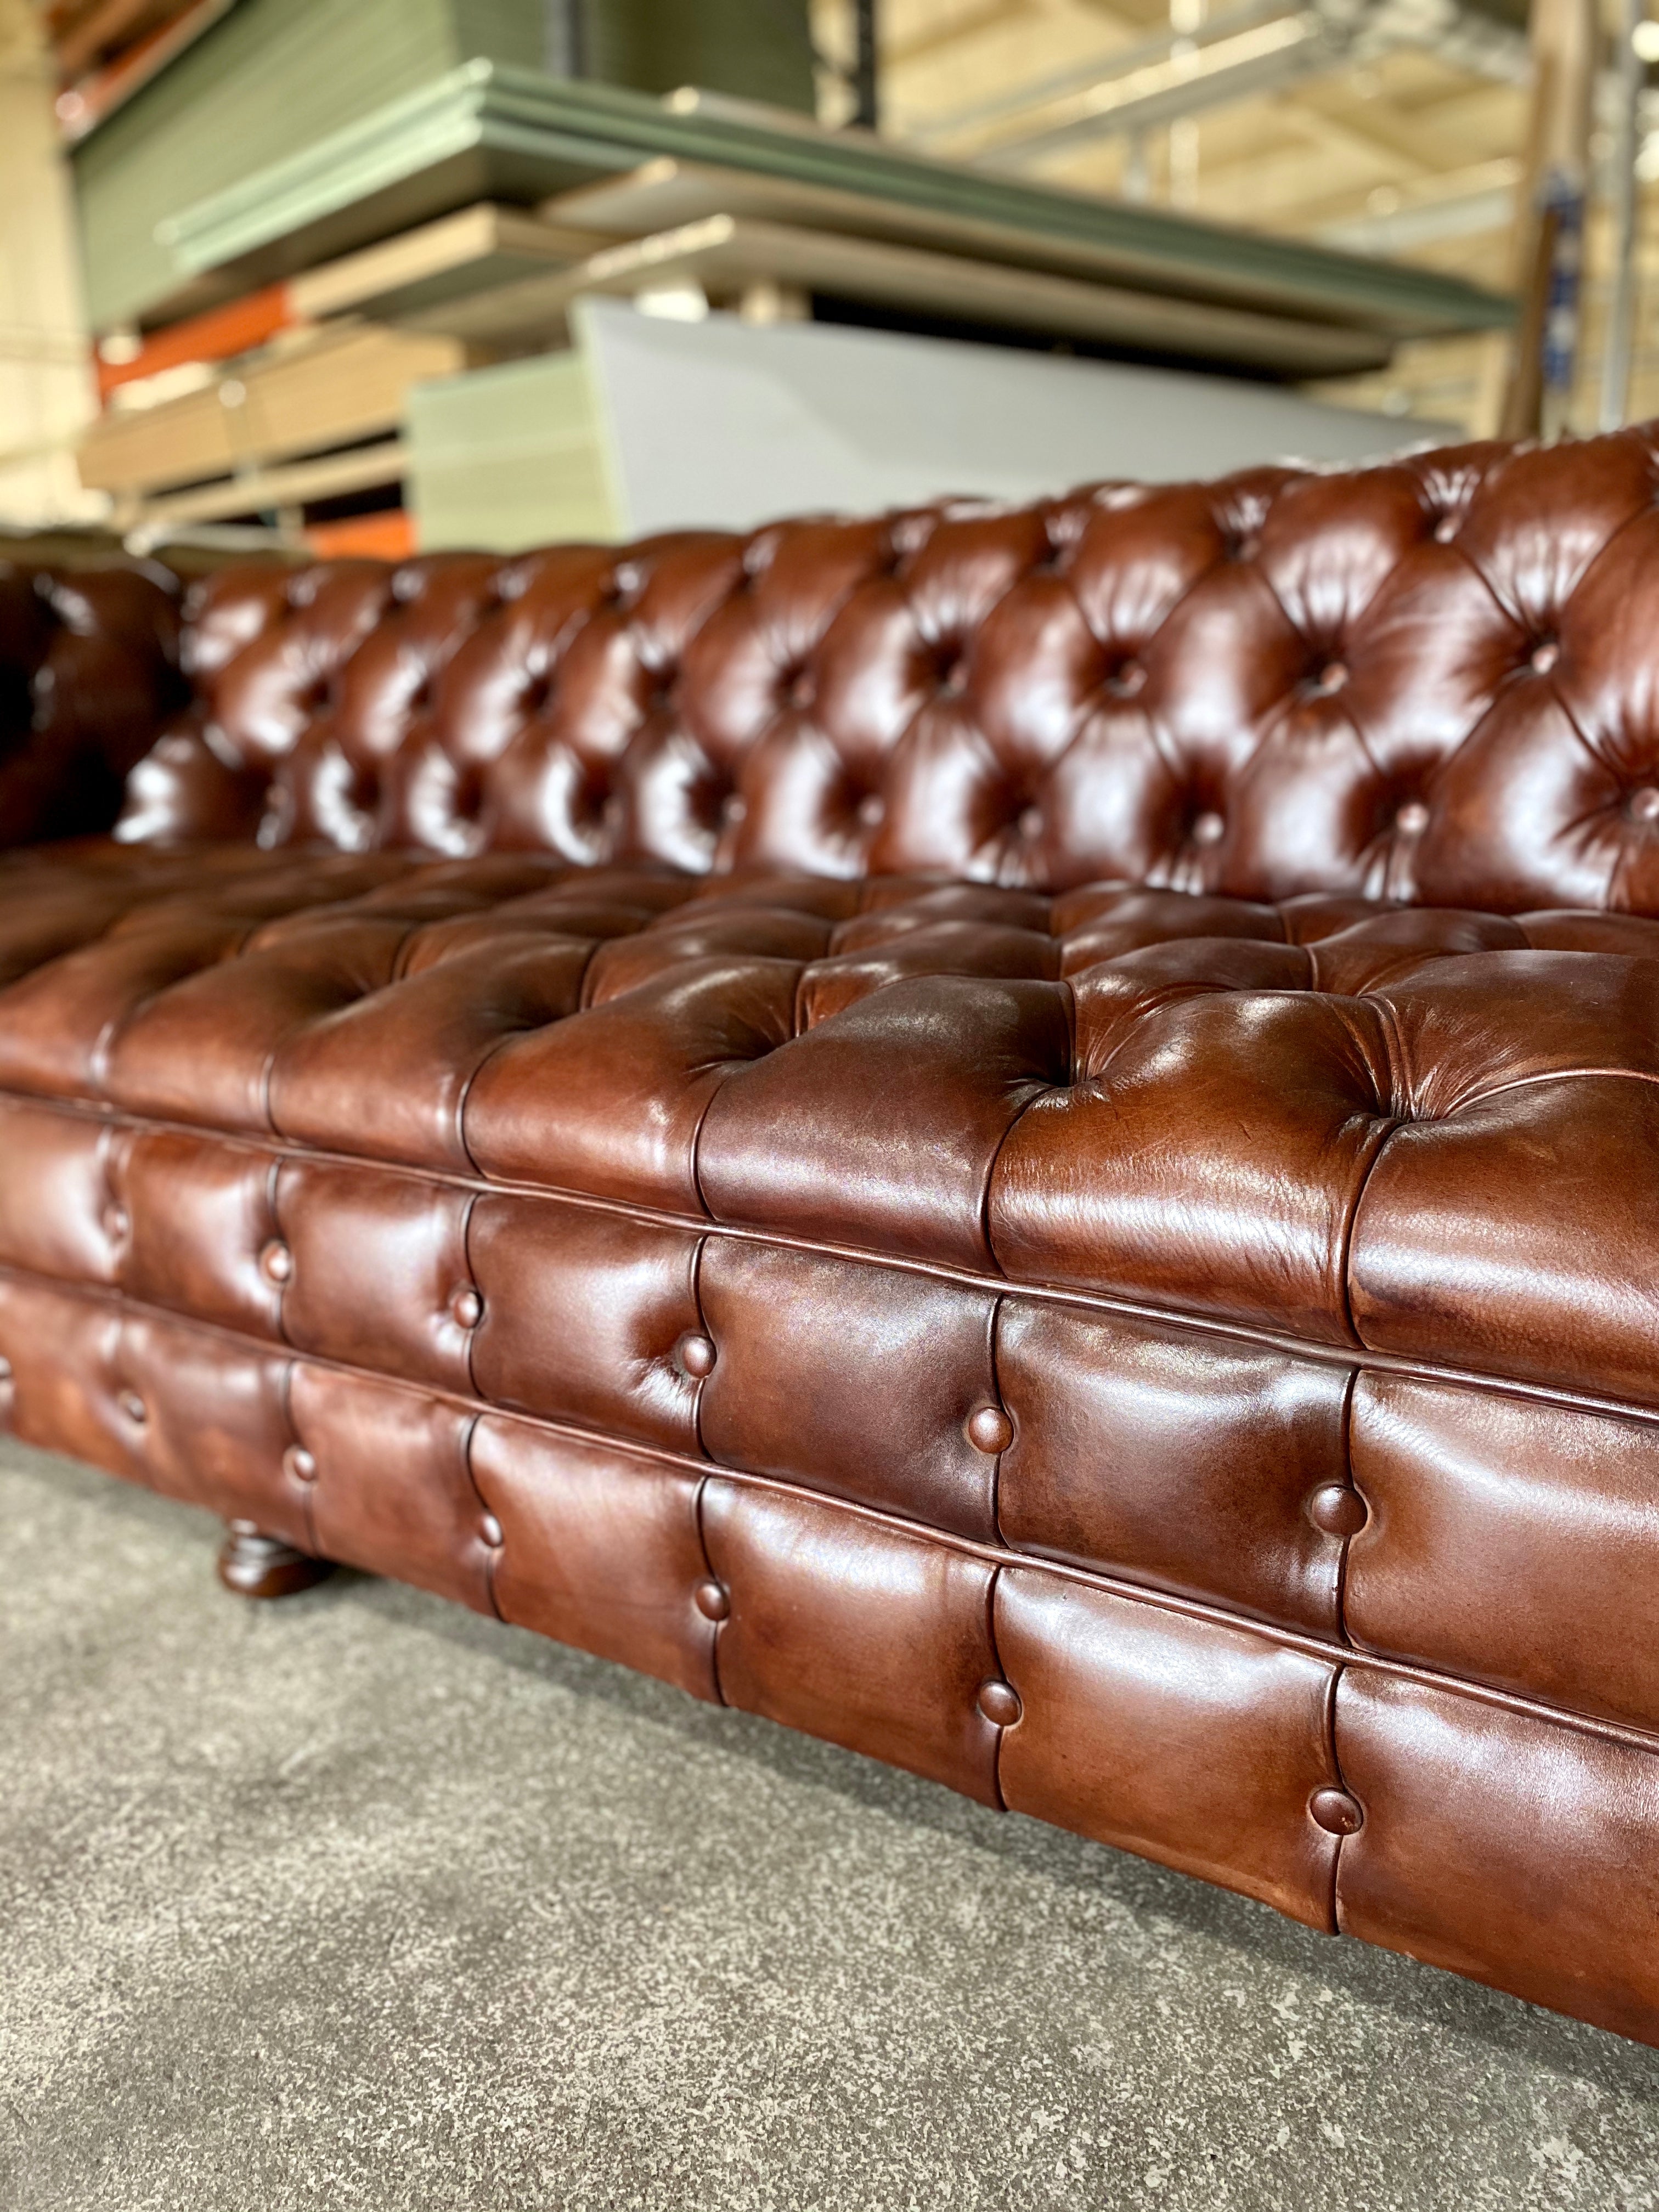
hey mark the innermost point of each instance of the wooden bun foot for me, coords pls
(254, 1565)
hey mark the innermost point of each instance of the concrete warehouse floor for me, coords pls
(358, 1900)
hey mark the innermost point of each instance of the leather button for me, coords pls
(696, 1357)
(1333, 675)
(117, 1224)
(953, 680)
(989, 1429)
(276, 1262)
(1445, 530)
(490, 1529)
(871, 810)
(1337, 1813)
(1338, 1510)
(1413, 818)
(1029, 824)
(1129, 679)
(803, 691)
(1208, 829)
(1545, 656)
(467, 1307)
(133, 1406)
(732, 809)
(300, 1464)
(999, 1703)
(712, 1601)
(1643, 804)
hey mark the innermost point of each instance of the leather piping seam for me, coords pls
(1331, 1688)
(1340, 1593)
(483, 1505)
(1355, 1354)
(894, 1524)
(482, 1062)
(998, 1673)
(982, 1222)
(716, 1690)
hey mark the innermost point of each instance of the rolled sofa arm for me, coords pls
(89, 677)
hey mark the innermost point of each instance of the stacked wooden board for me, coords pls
(315, 418)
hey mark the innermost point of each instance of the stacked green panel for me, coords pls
(275, 77)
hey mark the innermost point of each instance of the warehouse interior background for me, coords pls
(1452, 137)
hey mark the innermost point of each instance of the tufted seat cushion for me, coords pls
(1027, 1140)
(1313, 1118)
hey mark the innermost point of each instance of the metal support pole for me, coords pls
(1620, 336)
(565, 40)
(866, 105)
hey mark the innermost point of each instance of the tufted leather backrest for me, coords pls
(1435, 680)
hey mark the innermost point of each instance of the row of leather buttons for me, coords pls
(276, 1266)
(997, 1700)
(1334, 1509)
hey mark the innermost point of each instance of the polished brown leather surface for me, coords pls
(1026, 1141)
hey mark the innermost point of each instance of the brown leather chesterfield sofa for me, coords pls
(1029, 1140)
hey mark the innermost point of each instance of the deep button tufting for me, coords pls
(1130, 679)
(1413, 819)
(277, 1261)
(490, 1529)
(1336, 1511)
(1208, 828)
(1445, 530)
(1545, 656)
(467, 1307)
(871, 809)
(989, 1429)
(712, 1601)
(953, 678)
(1643, 806)
(696, 1355)
(999, 1702)
(1029, 823)
(732, 809)
(117, 1223)
(300, 1464)
(803, 688)
(1332, 677)
(1336, 1812)
(134, 1408)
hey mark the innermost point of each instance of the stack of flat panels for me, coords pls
(492, 129)
(259, 78)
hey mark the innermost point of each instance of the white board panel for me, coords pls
(725, 423)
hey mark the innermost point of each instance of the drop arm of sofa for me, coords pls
(88, 678)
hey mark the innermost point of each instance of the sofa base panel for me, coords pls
(1515, 1844)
